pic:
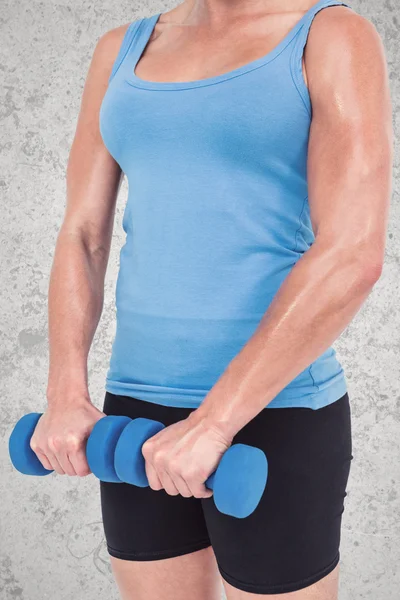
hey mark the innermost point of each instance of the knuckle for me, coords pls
(174, 465)
(158, 457)
(54, 443)
(147, 449)
(188, 474)
(34, 444)
(72, 442)
(192, 474)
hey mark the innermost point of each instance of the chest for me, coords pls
(188, 52)
(256, 117)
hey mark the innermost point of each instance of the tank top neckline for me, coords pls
(148, 24)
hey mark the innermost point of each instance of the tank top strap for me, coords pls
(129, 44)
(299, 45)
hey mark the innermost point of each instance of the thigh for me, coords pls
(194, 575)
(146, 526)
(291, 541)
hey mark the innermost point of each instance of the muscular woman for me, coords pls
(256, 138)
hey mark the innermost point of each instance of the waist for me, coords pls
(176, 361)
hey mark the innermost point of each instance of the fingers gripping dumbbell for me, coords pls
(114, 454)
(238, 483)
(101, 448)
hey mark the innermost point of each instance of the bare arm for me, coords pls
(76, 287)
(83, 244)
(349, 175)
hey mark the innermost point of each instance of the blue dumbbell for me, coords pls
(113, 452)
(238, 483)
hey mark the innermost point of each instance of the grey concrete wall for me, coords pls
(51, 541)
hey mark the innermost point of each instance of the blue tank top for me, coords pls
(216, 217)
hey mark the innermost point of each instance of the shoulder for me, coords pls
(338, 30)
(111, 42)
(344, 55)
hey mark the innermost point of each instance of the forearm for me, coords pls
(318, 299)
(75, 301)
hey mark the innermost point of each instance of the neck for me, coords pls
(214, 10)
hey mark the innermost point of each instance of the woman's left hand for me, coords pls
(181, 457)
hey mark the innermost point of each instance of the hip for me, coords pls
(292, 538)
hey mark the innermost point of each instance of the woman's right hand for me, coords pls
(59, 439)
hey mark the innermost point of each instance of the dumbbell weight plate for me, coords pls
(129, 462)
(22, 456)
(101, 444)
(240, 480)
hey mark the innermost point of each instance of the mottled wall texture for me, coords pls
(51, 542)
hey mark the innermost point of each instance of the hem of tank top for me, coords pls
(171, 86)
(324, 396)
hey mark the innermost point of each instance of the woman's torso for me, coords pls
(217, 215)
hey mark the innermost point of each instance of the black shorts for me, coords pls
(292, 538)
